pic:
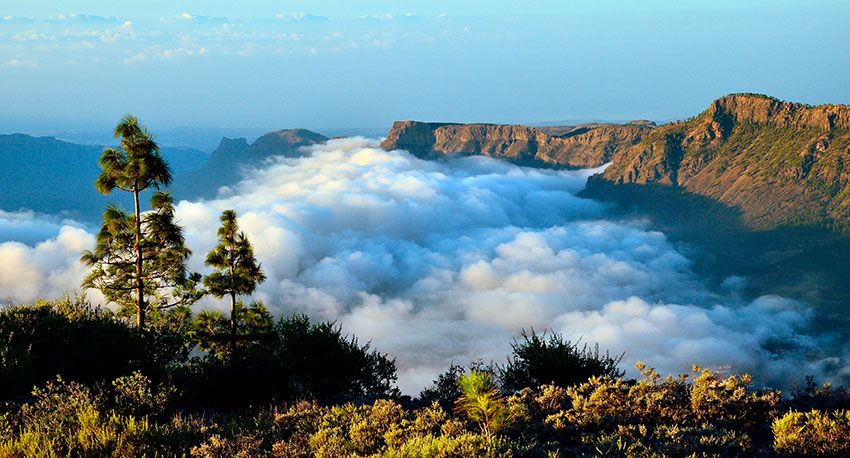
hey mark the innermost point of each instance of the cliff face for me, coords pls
(778, 162)
(579, 146)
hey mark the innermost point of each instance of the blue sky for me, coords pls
(363, 64)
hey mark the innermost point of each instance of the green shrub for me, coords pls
(324, 364)
(68, 419)
(301, 360)
(461, 446)
(81, 342)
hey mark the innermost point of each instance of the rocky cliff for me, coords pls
(780, 163)
(572, 146)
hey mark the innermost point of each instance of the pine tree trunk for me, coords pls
(232, 328)
(140, 285)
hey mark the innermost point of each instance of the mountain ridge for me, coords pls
(227, 161)
(580, 146)
(34, 168)
(780, 163)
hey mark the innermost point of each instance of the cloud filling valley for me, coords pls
(440, 262)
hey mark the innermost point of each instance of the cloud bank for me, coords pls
(445, 262)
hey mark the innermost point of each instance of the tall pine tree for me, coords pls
(134, 167)
(236, 269)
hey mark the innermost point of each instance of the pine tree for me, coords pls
(136, 166)
(481, 402)
(158, 242)
(237, 271)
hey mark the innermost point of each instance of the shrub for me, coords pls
(302, 361)
(539, 359)
(68, 419)
(445, 389)
(710, 415)
(68, 337)
(323, 364)
(135, 394)
(460, 446)
(813, 433)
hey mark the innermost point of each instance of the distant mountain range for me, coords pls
(778, 163)
(52, 176)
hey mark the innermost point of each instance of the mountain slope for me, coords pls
(780, 163)
(588, 145)
(52, 176)
(232, 156)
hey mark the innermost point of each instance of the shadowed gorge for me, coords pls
(808, 263)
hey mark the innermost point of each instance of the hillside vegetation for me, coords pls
(80, 381)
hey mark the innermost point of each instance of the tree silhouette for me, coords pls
(136, 166)
(255, 328)
(149, 251)
(236, 269)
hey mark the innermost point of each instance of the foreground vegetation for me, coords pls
(301, 389)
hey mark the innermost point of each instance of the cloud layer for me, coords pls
(80, 39)
(445, 262)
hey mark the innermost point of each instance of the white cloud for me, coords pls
(300, 17)
(47, 269)
(21, 63)
(441, 262)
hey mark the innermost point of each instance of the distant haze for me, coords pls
(77, 66)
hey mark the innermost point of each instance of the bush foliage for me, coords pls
(306, 389)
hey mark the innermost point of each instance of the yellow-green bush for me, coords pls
(813, 433)
(699, 415)
(461, 446)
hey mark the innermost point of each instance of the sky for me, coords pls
(333, 64)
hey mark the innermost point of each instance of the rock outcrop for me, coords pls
(780, 163)
(588, 145)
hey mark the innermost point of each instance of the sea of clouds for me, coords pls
(440, 262)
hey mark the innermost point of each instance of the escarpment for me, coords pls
(779, 163)
(571, 146)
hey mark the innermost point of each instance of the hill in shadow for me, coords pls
(807, 263)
